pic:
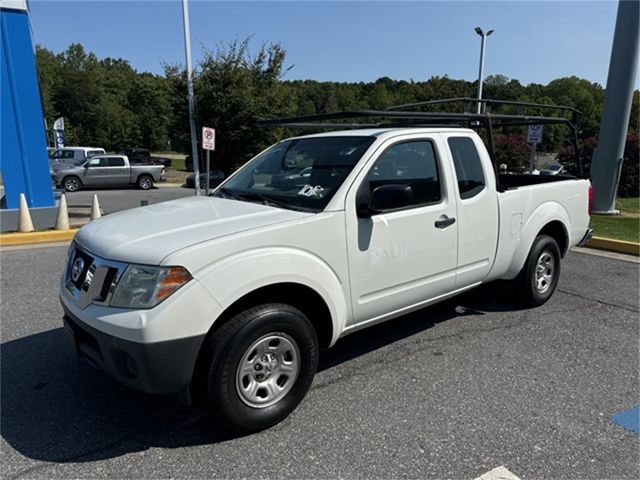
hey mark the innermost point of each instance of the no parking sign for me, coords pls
(208, 138)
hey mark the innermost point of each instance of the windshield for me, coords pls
(554, 167)
(299, 174)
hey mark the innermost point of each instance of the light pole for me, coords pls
(192, 113)
(484, 36)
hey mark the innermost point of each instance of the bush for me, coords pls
(512, 150)
(630, 173)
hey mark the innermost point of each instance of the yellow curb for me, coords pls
(612, 245)
(45, 236)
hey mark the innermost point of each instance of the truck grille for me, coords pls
(89, 278)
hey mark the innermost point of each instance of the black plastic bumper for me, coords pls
(162, 367)
(585, 238)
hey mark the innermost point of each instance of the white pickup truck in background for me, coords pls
(229, 298)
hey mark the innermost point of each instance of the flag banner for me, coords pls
(58, 136)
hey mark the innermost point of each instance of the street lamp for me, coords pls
(190, 99)
(484, 36)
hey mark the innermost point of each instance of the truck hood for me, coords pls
(148, 234)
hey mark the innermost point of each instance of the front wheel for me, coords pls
(260, 366)
(539, 276)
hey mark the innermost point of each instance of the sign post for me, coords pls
(534, 137)
(208, 143)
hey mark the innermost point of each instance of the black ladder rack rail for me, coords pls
(401, 116)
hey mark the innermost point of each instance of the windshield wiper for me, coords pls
(227, 193)
(262, 198)
(266, 200)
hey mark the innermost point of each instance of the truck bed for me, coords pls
(534, 199)
(511, 181)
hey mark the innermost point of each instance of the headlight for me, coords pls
(145, 287)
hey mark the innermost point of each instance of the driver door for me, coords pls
(405, 257)
(95, 172)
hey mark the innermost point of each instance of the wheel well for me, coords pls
(71, 176)
(299, 296)
(142, 175)
(557, 231)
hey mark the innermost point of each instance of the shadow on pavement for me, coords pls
(56, 408)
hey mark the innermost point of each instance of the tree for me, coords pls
(234, 89)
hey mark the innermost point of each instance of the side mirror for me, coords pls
(383, 198)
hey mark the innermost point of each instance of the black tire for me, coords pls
(71, 184)
(145, 182)
(229, 348)
(539, 276)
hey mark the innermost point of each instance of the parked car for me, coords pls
(142, 156)
(215, 178)
(109, 171)
(72, 156)
(230, 297)
(295, 179)
(555, 169)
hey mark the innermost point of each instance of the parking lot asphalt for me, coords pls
(451, 391)
(115, 200)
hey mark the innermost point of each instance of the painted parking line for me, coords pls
(629, 419)
(499, 473)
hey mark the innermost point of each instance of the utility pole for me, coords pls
(192, 113)
(484, 36)
(607, 157)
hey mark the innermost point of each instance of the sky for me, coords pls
(534, 41)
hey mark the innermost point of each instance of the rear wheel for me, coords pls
(145, 182)
(71, 184)
(260, 365)
(539, 276)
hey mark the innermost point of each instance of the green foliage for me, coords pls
(512, 150)
(107, 103)
(629, 185)
(234, 89)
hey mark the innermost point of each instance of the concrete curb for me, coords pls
(620, 246)
(45, 236)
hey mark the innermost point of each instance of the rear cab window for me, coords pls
(115, 161)
(468, 166)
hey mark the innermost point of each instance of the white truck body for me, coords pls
(365, 270)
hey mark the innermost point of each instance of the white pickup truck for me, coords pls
(229, 298)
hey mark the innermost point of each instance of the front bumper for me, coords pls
(160, 367)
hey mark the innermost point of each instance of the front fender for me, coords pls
(231, 278)
(544, 214)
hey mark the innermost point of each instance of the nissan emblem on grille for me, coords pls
(88, 278)
(76, 270)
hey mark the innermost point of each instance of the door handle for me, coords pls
(444, 221)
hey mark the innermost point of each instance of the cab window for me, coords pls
(116, 162)
(98, 162)
(468, 166)
(410, 163)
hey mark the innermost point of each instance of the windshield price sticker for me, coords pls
(311, 191)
